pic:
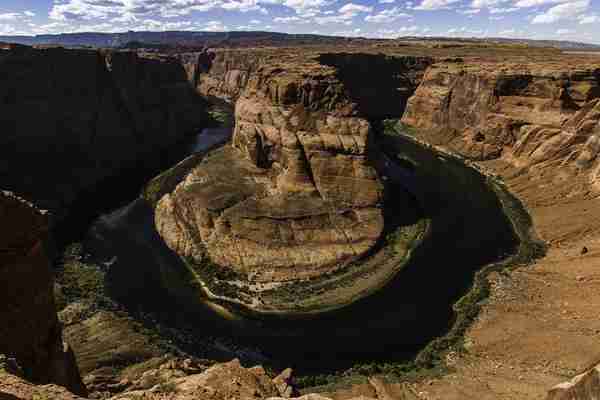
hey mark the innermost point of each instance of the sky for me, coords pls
(533, 19)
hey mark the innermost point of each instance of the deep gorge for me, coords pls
(412, 310)
(321, 143)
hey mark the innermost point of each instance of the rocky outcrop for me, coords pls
(225, 74)
(220, 382)
(30, 331)
(296, 196)
(585, 386)
(232, 381)
(529, 114)
(13, 387)
(73, 117)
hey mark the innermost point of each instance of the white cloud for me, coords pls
(345, 15)
(465, 31)
(485, 3)
(82, 10)
(10, 16)
(515, 33)
(535, 3)
(290, 20)
(403, 31)
(386, 1)
(214, 26)
(589, 19)
(335, 19)
(386, 16)
(351, 33)
(470, 11)
(352, 8)
(16, 16)
(435, 4)
(563, 31)
(6, 29)
(241, 5)
(498, 10)
(301, 6)
(562, 11)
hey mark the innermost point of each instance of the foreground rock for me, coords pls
(73, 117)
(296, 198)
(30, 331)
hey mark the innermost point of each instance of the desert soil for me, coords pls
(540, 325)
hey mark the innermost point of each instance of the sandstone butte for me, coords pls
(302, 142)
(296, 197)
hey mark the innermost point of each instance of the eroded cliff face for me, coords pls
(296, 196)
(529, 114)
(73, 117)
(30, 331)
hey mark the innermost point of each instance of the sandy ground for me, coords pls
(540, 326)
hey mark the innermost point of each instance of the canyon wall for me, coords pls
(73, 117)
(529, 114)
(29, 330)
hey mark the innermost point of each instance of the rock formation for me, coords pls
(585, 386)
(527, 113)
(30, 331)
(73, 117)
(296, 196)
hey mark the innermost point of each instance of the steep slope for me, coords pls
(30, 331)
(73, 117)
(531, 114)
(535, 123)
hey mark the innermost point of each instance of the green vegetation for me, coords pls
(219, 117)
(76, 279)
(395, 127)
(166, 387)
(169, 179)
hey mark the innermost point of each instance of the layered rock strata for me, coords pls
(528, 113)
(30, 331)
(585, 386)
(73, 117)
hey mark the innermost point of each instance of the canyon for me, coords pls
(412, 199)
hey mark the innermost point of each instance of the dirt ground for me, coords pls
(540, 326)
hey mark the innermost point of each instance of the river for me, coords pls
(469, 230)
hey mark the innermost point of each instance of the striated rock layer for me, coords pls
(530, 114)
(296, 195)
(30, 331)
(585, 386)
(73, 117)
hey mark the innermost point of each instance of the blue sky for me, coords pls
(537, 19)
